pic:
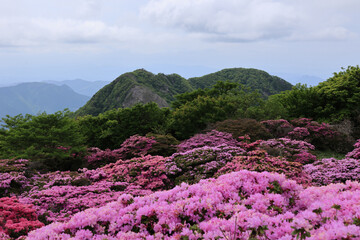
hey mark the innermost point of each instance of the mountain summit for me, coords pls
(141, 86)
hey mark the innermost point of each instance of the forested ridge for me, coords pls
(141, 86)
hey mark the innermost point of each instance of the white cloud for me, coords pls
(41, 31)
(253, 20)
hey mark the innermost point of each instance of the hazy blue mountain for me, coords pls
(87, 88)
(37, 97)
(309, 80)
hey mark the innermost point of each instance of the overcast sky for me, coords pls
(101, 39)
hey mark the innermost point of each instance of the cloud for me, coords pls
(41, 31)
(253, 20)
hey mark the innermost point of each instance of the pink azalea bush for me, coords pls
(260, 161)
(331, 170)
(148, 172)
(199, 163)
(135, 146)
(278, 128)
(16, 219)
(210, 139)
(355, 154)
(239, 205)
(293, 150)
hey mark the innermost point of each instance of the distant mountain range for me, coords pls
(141, 86)
(83, 87)
(36, 97)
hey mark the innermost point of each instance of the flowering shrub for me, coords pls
(299, 133)
(293, 150)
(322, 135)
(16, 219)
(240, 127)
(260, 161)
(59, 203)
(210, 139)
(240, 205)
(11, 165)
(148, 172)
(247, 145)
(331, 170)
(12, 182)
(199, 163)
(98, 157)
(278, 128)
(356, 152)
(136, 146)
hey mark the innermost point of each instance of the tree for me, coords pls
(49, 141)
(340, 95)
(110, 129)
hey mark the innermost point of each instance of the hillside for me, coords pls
(253, 78)
(143, 86)
(134, 87)
(83, 87)
(33, 98)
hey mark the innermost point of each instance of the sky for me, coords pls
(101, 39)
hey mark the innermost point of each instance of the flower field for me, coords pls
(212, 186)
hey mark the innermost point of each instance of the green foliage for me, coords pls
(197, 109)
(340, 95)
(113, 95)
(252, 78)
(301, 101)
(110, 129)
(49, 141)
(334, 100)
(195, 115)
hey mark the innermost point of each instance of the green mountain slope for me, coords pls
(134, 87)
(33, 98)
(141, 86)
(253, 78)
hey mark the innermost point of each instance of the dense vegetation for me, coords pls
(141, 86)
(254, 79)
(124, 174)
(160, 88)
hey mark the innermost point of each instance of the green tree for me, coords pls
(110, 129)
(340, 95)
(49, 141)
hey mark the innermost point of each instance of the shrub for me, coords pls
(147, 172)
(293, 150)
(210, 139)
(278, 128)
(260, 161)
(241, 127)
(199, 163)
(356, 152)
(239, 205)
(331, 170)
(165, 145)
(17, 219)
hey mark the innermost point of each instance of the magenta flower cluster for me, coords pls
(135, 146)
(356, 152)
(293, 150)
(239, 205)
(210, 139)
(16, 219)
